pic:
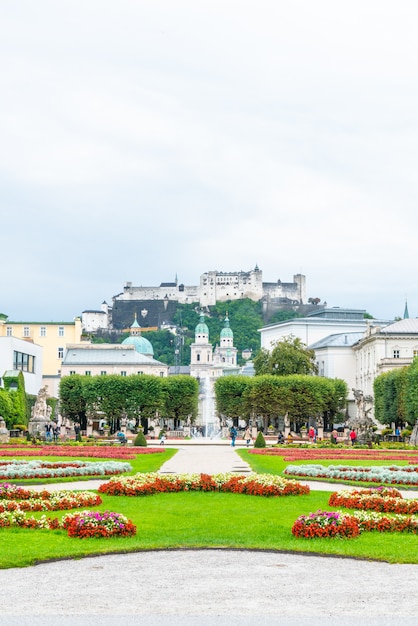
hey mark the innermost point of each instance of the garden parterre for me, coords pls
(354, 454)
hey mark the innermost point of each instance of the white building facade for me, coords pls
(18, 355)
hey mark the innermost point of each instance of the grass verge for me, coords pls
(206, 520)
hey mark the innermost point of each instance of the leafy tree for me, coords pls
(181, 395)
(17, 398)
(412, 393)
(390, 393)
(230, 396)
(288, 356)
(6, 407)
(72, 400)
(266, 398)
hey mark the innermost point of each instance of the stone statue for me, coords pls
(362, 423)
(4, 433)
(40, 414)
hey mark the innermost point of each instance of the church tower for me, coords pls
(225, 354)
(201, 350)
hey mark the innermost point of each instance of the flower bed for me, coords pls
(381, 500)
(326, 524)
(14, 501)
(252, 484)
(375, 500)
(305, 454)
(99, 451)
(46, 469)
(370, 520)
(96, 524)
(379, 474)
(58, 501)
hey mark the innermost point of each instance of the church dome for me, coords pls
(202, 328)
(226, 331)
(142, 345)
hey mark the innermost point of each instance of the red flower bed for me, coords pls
(108, 452)
(373, 501)
(312, 454)
(259, 485)
(326, 524)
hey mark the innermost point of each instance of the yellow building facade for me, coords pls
(53, 337)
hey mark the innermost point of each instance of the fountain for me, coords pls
(209, 422)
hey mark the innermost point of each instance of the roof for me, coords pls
(407, 326)
(339, 340)
(109, 355)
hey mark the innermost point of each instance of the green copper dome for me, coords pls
(202, 328)
(142, 345)
(226, 330)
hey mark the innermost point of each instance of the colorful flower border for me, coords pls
(251, 484)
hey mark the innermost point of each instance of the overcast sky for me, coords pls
(140, 140)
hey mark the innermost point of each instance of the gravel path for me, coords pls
(212, 583)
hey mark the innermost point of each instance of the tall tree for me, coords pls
(288, 356)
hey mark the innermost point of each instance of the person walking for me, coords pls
(233, 432)
(353, 436)
(162, 438)
(248, 436)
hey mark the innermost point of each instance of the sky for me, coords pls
(140, 141)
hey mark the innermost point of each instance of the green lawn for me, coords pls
(199, 520)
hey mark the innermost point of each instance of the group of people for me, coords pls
(52, 431)
(233, 433)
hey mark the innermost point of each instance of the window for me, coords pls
(140, 373)
(162, 374)
(72, 372)
(26, 331)
(396, 354)
(60, 353)
(103, 373)
(415, 353)
(60, 331)
(197, 357)
(8, 331)
(87, 373)
(123, 373)
(43, 331)
(23, 362)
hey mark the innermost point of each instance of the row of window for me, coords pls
(26, 331)
(104, 373)
(23, 362)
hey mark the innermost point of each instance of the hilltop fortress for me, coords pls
(156, 306)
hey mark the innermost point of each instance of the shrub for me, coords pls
(260, 442)
(140, 440)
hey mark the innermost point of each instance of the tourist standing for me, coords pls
(248, 436)
(334, 435)
(233, 432)
(312, 434)
(353, 436)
